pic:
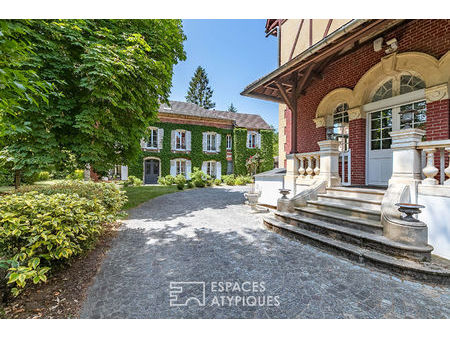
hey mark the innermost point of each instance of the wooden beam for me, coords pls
(285, 96)
(296, 39)
(303, 80)
(310, 32)
(328, 28)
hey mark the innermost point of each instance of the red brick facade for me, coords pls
(428, 36)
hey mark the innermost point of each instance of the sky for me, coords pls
(234, 53)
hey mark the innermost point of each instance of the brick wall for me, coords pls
(427, 36)
(357, 144)
(438, 120)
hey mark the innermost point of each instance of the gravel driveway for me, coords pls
(240, 269)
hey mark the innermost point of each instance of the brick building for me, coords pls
(188, 136)
(363, 104)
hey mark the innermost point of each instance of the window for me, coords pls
(153, 139)
(117, 172)
(397, 86)
(211, 142)
(252, 140)
(418, 118)
(384, 92)
(380, 127)
(180, 167)
(229, 142)
(410, 83)
(340, 126)
(211, 168)
(180, 140)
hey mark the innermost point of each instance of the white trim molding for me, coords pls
(437, 93)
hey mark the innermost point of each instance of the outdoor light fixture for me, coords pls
(393, 46)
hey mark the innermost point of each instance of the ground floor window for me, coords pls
(180, 167)
(211, 168)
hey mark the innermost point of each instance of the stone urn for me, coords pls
(252, 196)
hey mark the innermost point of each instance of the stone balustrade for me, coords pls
(430, 171)
(308, 165)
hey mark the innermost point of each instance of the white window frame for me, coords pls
(211, 145)
(229, 142)
(211, 168)
(179, 166)
(179, 137)
(153, 134)
(252, 140)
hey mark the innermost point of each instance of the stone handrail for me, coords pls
(310, 193)
(430, 171)
(312, 163)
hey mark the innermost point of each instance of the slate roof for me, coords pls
(249, 121)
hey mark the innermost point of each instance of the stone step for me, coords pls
(346, 209)
(362, 193)
(350, 201)
(423, 271)
(356, 237)
(357, 223)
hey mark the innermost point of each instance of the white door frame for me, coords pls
(394, 103)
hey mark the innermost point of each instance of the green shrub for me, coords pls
(199, 183)
(240, 180)
(209, 182)
(229, 179)
(43, 176)
(217, 182)
(76, 175)
(199, 175)
(161, 180)
(170, 180)
(132, 181)
(106, 193)
(180, 179)
(190, 185)
(37, 231)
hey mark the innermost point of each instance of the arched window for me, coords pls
(397, 86)
(340, 126)
(410, 83)
(384, 92)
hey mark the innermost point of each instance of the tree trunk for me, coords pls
(17, 177)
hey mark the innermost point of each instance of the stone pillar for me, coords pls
(291, 173)
(329, 162)
(406, 159)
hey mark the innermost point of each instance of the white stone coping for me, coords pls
(434, 190)
(434, 144)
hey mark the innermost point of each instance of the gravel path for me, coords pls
(208, 236)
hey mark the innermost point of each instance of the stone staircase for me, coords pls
(346, 221)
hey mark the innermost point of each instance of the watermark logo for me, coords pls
(181, 293)
(222, 294)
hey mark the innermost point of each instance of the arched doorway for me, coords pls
(394, 102)
(152, 170)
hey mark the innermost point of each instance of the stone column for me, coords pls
(291, 173)
(406, 159)
(329, 162)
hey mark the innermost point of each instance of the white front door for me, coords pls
(379, 125)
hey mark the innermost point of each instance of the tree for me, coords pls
(199, 91)
(110, 77)
(232, 108)
(19, 84)
(275, 141)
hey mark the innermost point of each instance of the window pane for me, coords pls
(385, 133)
(375, 134)
(375, 145)
(387, 122)
(375, 124)
(386, 144)
(375, 115)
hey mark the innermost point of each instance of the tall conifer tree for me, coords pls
(199, 91)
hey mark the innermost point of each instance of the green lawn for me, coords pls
(138, 195)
